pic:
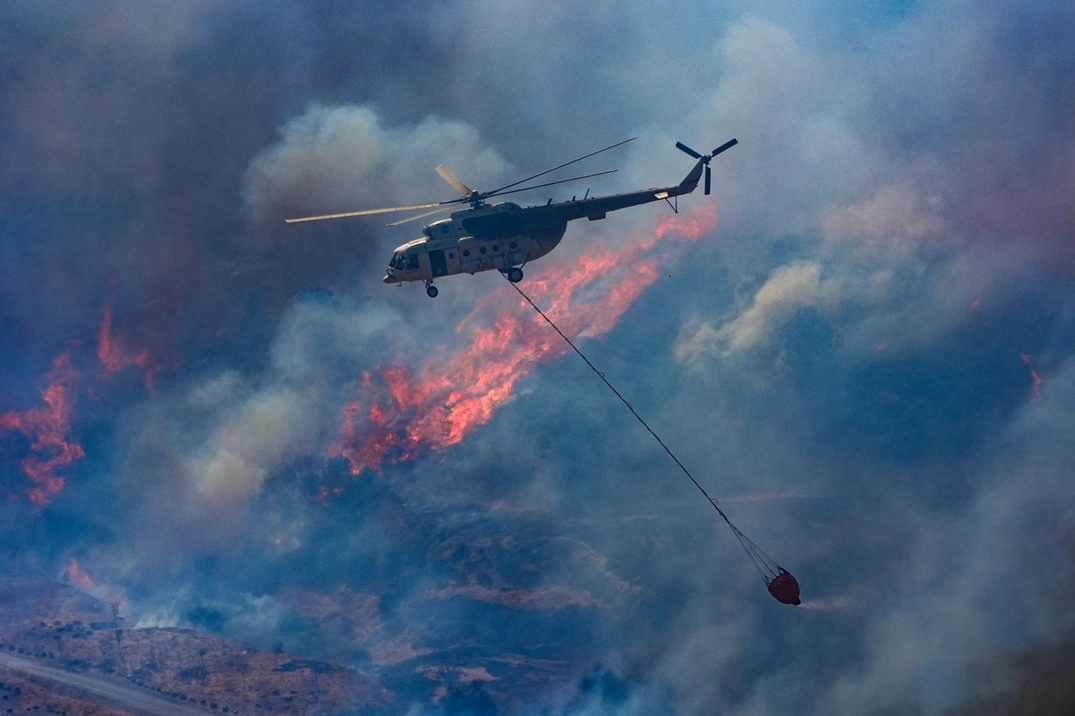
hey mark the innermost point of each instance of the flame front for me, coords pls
(113, 355)
(103, 591)
(76, 575)
(437, 405)
(47, 428)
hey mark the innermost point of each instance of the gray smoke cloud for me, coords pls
(868, 361)
(332, 158)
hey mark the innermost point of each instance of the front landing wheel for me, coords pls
(515, 275)
(432, 291)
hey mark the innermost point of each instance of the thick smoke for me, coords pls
(867, 361)
(338, 158)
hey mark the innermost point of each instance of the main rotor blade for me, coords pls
(367, 212)
(688, 150)
(562, 181)
(421, 216)
(727, 145)
(549, 171)
(446, 175)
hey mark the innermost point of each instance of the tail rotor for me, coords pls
(706, 157)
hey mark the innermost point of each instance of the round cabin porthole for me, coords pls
(496, 247)
(451, 256)
(482, 249)
(514, 245)
(466, 252)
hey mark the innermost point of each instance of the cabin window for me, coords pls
(482, 249)
(514, 245)
(466, 252)
(412, 262)
(451, 256)
(496, 247)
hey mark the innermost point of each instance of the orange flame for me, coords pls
(77, 575)
(47, 427)
(113, 356)
(451, 396)
(99, 589)
(1035, 384)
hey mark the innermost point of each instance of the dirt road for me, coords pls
(128, 697)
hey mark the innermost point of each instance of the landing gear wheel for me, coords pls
(515, 275)
(431, 291)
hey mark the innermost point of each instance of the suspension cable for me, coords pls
(634, 412)
(765, 565)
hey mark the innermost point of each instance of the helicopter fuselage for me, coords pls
(505, 236)
(497, 236)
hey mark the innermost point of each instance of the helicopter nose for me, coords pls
(387, 278)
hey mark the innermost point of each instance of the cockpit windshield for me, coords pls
(404, 262)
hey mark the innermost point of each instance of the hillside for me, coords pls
(59, 625)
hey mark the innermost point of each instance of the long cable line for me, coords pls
(623, 400)
(770, 571)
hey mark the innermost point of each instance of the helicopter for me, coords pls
(506, 236)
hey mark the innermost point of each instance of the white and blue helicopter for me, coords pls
(506, 236)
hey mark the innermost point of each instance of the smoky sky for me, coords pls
(869, 361)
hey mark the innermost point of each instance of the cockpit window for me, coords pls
(404, 262)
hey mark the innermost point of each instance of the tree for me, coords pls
(119, 648)
(277, 650)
